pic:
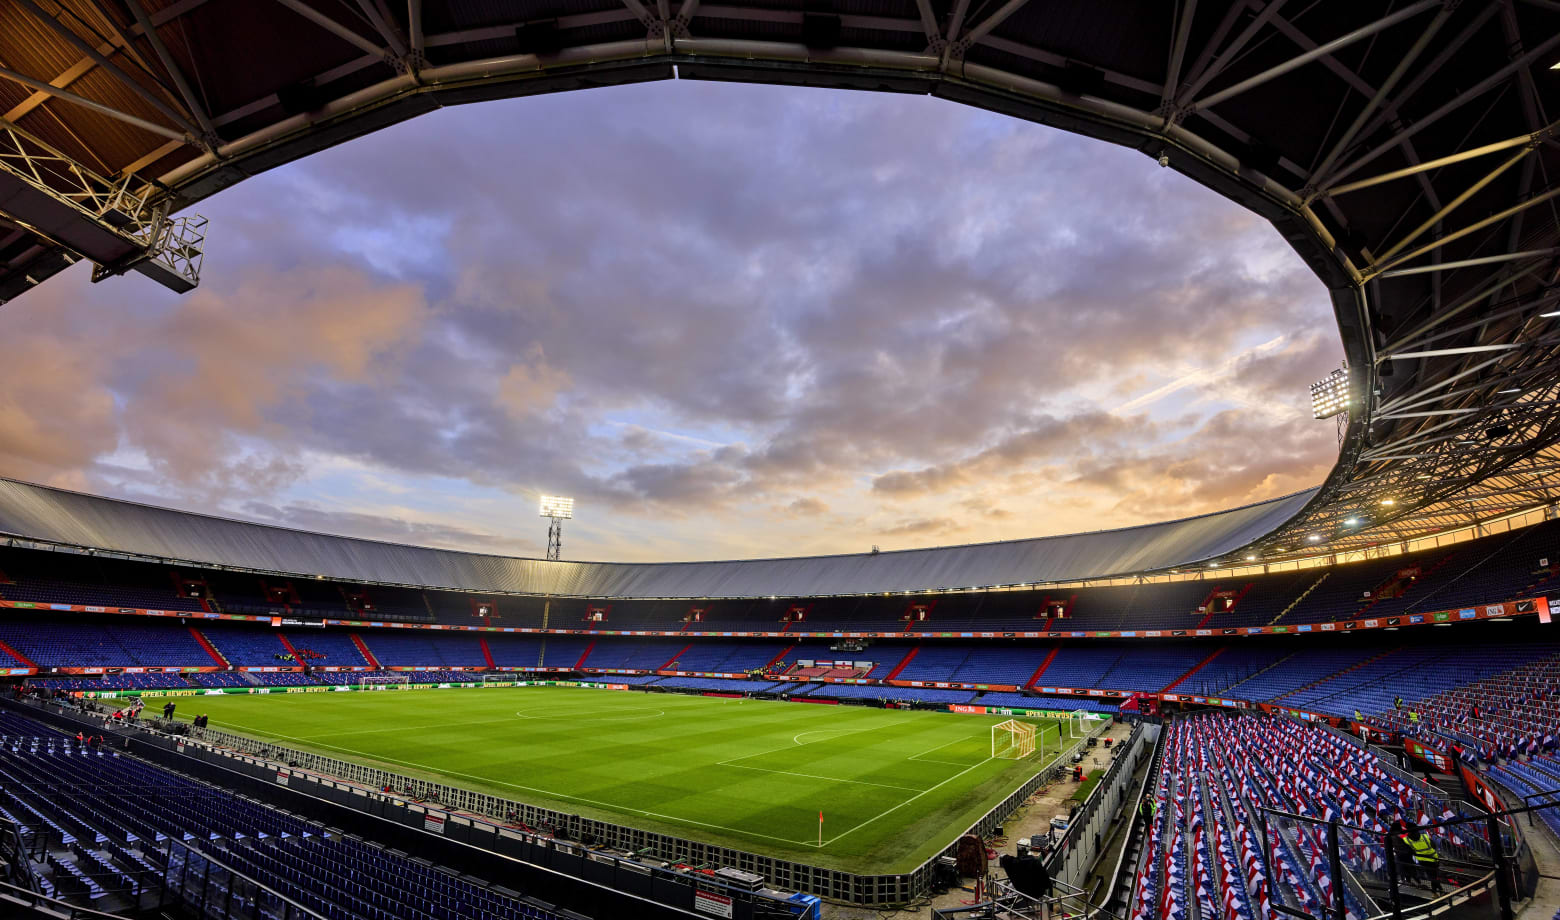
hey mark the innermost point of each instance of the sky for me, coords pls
(730, 321)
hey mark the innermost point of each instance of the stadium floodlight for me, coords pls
(1389, 502)
(1251, 557)
(1315, 538)
(1351, 521)
(556, 509)
(1330, 396)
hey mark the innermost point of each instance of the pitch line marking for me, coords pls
(831, 840)
(558, 795)
(832, 779)
(582, 717)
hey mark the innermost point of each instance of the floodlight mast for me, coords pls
(557, 509)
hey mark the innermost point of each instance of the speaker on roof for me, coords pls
(301, 97)
(820, 30)
(540, 37)
(1080, 79)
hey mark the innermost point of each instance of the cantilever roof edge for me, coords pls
(61, 517)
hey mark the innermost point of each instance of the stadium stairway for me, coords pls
(1195, 668)
(1300, 599)
(909, 656)
(291, 650)
(667, 666)
(211, 650)
(26, 662)
(362, 648)
(1335, 674)
(1040, 671)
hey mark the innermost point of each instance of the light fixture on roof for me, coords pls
(1330, 396)
(1213, 565)
(557, 509)
(1550, 315)
(1351, 521)
(1511, 390)
(1389, 502)
(1251, 557)
(1315, 538)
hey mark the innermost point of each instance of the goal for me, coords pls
(388, 680)
(1012, 740)
(499, 678)
(1079, 722)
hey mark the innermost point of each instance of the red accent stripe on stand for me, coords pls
(210, 649)
(780, 657)
(586, 654)
(487, 653)
(902, 662)
(362, 648)
(1195, 668)
(673, 660)
(287, 644)
(1035, 677)
(5, 647)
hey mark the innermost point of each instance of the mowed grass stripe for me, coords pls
(894, 786)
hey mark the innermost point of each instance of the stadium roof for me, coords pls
(72, 519)
(1407, 150)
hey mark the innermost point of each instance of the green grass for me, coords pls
(894, 786)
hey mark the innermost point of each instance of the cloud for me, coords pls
(881, 309)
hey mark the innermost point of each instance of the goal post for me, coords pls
(1078, 724)
(1012, 740)
(385, 680)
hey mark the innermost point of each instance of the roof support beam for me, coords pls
(1186, 10)
(1414, 234)
(1386, 87)
(1451, 105)
(1474, 227)
(379, 17)
(1327, 48)
(985, 26)
(1226, 57)
(129, 82)
(333, 27)
(98, 107)
(1469, 263)
(1518, 141)
(191, 102)
(414, 24)
(928, 22)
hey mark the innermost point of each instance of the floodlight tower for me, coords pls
(556, 509)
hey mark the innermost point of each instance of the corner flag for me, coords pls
(820, 828)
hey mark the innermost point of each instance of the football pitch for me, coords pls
(894, 786)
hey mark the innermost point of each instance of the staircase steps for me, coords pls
(1296, 602)
(362, 648)
(1337, 674)
(9, 650)
(210, 649)
(1195, 668)
(673, 660)
(1035, 677)
(287, 644)
(915, 650)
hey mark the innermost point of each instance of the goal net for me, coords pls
(1012, 740)
(1078, 724)
(499, 678)
(389, 680)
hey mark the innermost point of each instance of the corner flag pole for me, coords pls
(820, 829)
